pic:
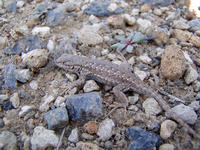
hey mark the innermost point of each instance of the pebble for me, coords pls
(73, 137)
(167, 147)
(86, 146)
(195, 105)
(105, 130)
(50, 45)
(186, 113)
(196, 86)
(8, 141)
(89, 35)
(191, 75)
(1, 4)
(145, 59)
(112, 7)
(145, 8)
(41, 31)
(93, 19)
(57, 118)
(43, 138)
(20, 4)
(34, 85)
(135, 12)
(143, 25)
(84, 107)
(194, 24)
(87, 136)
(60, 101)
(157, 12)
(25, 110)
(133, 99)
(36, 58)
(181, 24)
(141, 74)
(101, 8)
(14, 99)
(195, 40)
(91, 127)
(151, 107)
(3, 98)
(129, 20)
(160, 35)
(3, 42)
(23, 75)
(141, 139)
(90, 86)
(10, 81)
(167, 128)
(181, 35)
(108, 145)
(45, 101)
(115, 21)
(133, 108)
(172, 62)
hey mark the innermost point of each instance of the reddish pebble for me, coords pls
(91, 127)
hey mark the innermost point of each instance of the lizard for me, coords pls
(119, 77)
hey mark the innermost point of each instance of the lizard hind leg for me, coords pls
(117, 90)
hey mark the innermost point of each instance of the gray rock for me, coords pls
(100, 8)
(196, 86)
(86, 146)
(133, 99)
(167, 128)
(10, 81)
(73, 137)
(34, 85)
(29, 43)
(3, 98)
(89, 35)
(143, 25)
(43, 138)
(195, 105)
(87, 136)
(36, 58)
(90, 86)
(151, 106)
(84, 107)
(20, 4)
(57, 118)
(46, 100)
(8, 141)
(105, 130)
(14, 99)
(141, 139)
(186, 113)
(194, 24)
(23, 75)
(3, 42)
(60, 101)
(191, 75)
(167, 147)
(160, 2)
(181, 24)
(25, 109)
(42, 31)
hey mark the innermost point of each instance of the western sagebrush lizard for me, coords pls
(118, 76)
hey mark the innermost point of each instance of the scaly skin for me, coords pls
(118, 76)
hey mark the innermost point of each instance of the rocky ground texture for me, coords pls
(164, 52)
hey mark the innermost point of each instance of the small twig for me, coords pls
(60, 140)
(171, 96)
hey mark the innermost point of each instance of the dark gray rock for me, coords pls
(12, 7)
(10, 81)
(8, 141)
(99, 8)
(84, 107)
(194, 24)
(56, 118)
(47, 12)
(29, 43)
(158, 2)
(141, 139)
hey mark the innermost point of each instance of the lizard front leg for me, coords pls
(77, 83)
(118, 92)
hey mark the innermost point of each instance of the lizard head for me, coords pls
(68, 62)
